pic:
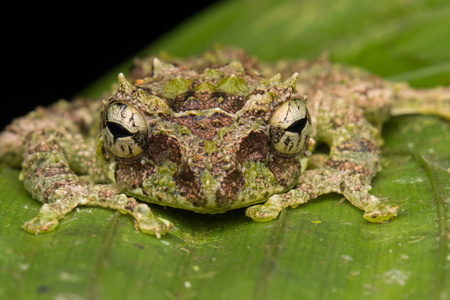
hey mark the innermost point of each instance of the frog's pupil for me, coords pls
(297, 126)
(118, 130)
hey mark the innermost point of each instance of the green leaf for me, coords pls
(321, 250)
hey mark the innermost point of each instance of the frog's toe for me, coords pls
(156, 226)
(45, 221)
(380, 215)
(262, 213)
(39, 225)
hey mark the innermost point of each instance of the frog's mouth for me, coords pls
(171, 185)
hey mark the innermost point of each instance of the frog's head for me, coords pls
(205, 140)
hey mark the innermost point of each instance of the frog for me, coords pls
(212, 133)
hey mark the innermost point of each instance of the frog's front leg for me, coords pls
(324, 181)
(353, 161)
(49, 159)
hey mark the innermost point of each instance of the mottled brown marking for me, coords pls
(229, 189)
(57, 168)
(253, 147)
(189, 186)
(106, 194)
(345, 165)
(348, 118)
(285, 170)
(204, 100)
(131, 173)
(62, 183)
(162, 148)
(128, 177)
(205, 127)
(45, 147)
(359, 145)
(308, 189)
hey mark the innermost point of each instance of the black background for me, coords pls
(52, 52)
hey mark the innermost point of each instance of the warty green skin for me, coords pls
(209, 157)
(65, 164)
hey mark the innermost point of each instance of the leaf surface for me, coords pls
(321, 250)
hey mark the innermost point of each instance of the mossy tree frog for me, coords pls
(210, 134)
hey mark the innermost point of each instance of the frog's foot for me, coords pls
(264, 212)
(150, 224)
(381, 213)
(156, 226)
(47, 218)
(141, 212)
(45, 221)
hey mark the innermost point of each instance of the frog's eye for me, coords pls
(124, 130)
(289, 129)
